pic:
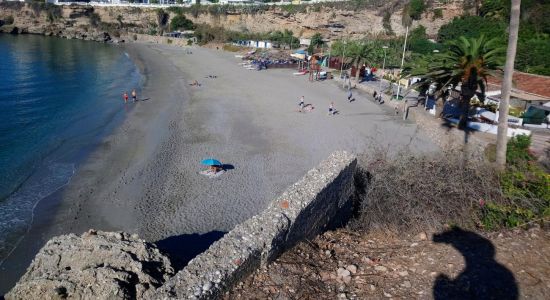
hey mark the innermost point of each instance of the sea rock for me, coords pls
(96, 265)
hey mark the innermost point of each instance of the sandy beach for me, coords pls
(144, 177)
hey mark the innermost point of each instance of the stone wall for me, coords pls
(304, 210)
(130, 268)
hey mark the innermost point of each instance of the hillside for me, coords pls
(346, 19)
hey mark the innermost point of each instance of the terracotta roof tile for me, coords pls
(530, 83)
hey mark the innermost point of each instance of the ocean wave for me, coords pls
(17, 211)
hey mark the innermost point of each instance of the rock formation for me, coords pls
(130, 23)
(96, 265)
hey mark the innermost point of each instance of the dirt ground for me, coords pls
(453, 264)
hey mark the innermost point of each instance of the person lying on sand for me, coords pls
(195, 83)
(213, 171)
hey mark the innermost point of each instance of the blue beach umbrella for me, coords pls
(211, 162)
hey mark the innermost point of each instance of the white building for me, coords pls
(236, 1)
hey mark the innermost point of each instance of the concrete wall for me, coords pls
(319, 200)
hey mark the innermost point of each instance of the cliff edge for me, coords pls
(122, 266)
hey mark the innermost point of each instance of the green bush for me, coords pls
(472, 27)
(496, 216)
(517, 150)
(438, 14)
(95, 19)
(9, 20)
(525, 186)
(181, 22)
(416, 9)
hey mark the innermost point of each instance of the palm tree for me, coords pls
(467, 62)
(502, 134)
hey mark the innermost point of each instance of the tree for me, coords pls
(316, 41)
(181, 22)
(162, 20)
(467, 62)
(502, 134)
(472, 27)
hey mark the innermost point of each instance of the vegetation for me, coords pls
(468, 62)
(95, 19)
(419, 43)
(353, 5)
(525, 186)
(180, 22)
(9, 20)
(369, 51)
(206, 33)
(315, 42)
(162, 20)
(416, 9)
(407, 192)
(533, 53)
(437, 14)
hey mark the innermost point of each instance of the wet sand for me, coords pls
(144, 177)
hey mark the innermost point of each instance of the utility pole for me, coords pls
(402, 62)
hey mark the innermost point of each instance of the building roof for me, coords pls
(525, 86)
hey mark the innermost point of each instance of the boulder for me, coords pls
(96, 265)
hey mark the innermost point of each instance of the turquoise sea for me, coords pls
(58, 98)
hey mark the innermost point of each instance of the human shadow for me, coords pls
(483, 277)
(182, 248)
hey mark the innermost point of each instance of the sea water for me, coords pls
(58, 98)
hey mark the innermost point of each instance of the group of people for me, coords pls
(134, 96)
(377, 97)
(302, 107)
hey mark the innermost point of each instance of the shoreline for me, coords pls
(60, 212)
(143, 178)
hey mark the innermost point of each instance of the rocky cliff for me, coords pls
(96, 265)
(106, 23)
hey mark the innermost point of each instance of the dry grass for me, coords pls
(415, 193)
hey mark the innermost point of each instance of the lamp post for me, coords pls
(402, 62)
(383, 68)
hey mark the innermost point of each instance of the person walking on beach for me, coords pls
(134, 95)
(125, 96)
(350, 95)
(331, 109)
(301, 104)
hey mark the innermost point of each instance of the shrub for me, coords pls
(525, 186)
(472, 27)
(9, 20)
(438, 14)
(169, 41)
(419, 192)
(95, 19)
(134, 37)
(496, 216)
(386, 23)
(189, 42)
(416, 9)
(181, 22)
(517, 150)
